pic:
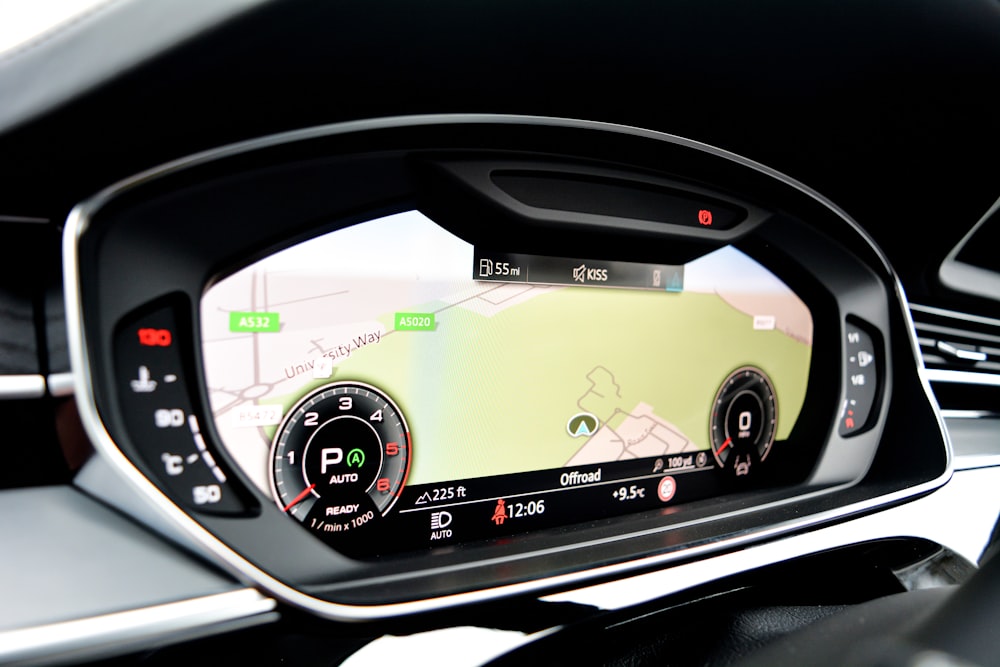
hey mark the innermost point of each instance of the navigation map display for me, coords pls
(390, 375)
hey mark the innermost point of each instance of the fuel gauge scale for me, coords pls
(743, 420)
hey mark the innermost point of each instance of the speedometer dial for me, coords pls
(340, 457)
(744, 416)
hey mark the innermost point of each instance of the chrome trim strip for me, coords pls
(954, 314)
(931, 333)
(121, 632)
(962, 377)
(19, 219)
(478, 646)
(60, 384)
(21, 386)
(969, 414)
(968, 355)
(78, 221)
(975, 461)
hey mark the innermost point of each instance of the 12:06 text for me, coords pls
(530, 508)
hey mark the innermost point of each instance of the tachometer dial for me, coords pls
(340, 457)
(744, 416)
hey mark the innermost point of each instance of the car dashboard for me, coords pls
(423, 391)
(448, 379)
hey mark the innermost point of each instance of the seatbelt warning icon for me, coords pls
(500, 513)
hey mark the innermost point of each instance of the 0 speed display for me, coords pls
(743, 421)
(340, 457)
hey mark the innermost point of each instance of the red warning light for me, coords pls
(500, 513)
(155, 337)
(705, 217)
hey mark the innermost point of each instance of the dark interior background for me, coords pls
(886, 108)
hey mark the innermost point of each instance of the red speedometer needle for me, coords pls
(299, 498)
(725, 444)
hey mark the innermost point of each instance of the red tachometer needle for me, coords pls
(299, 498)
(728, 442)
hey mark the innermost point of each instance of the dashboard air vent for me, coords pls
(962, 355)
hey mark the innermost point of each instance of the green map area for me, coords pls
(491, 394)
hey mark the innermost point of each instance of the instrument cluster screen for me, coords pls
(392, 387)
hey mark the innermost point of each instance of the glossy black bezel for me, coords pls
(216, 213)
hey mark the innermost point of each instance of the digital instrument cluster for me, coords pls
(389, 367)
(391, 386)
